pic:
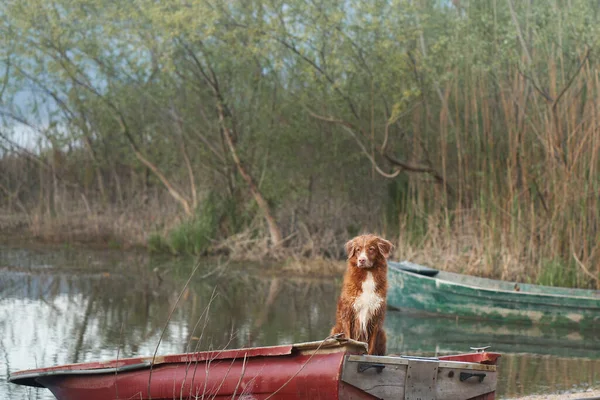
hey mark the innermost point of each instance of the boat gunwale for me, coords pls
(28, 377)
(404, 360)
(488, 289)
(134, 363)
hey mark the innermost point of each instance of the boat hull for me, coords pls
(463, 296)
(223, 380)
(331, 369)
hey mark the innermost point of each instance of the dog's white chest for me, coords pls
(367, 303)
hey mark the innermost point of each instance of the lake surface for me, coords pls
(64, 305)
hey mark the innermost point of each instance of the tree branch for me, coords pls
(572, 79)
(401, 165)
(350, 129)
(513, 15)
(186, 158)
(5, 79)
(535, 85)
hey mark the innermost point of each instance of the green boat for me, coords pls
(415, 287)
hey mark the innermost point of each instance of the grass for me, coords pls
(192, 236)
(200, 233)
(558, 273)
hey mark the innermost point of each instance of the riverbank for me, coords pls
(315, 267)
(110, 229)
(588, 394)
(321, 253)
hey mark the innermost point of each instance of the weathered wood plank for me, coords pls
(418, 378)
(421, 380)
(386, 383)
(449, 385)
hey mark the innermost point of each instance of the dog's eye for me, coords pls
(371, 248)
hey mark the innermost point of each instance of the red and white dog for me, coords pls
(361, 307)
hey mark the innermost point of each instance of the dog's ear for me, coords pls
(350, 248)
(385, 247)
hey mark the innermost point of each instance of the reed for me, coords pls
(525, 201)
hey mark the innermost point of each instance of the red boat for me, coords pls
(329, 369)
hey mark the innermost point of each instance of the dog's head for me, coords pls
(366, 250)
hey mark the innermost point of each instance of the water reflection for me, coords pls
(63, 309)
(413, 333)
(534, 359)
(64, 306)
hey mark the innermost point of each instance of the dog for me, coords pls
(361, 307)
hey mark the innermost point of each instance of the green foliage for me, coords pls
(216, 218)
(192, 236)
(195, 235)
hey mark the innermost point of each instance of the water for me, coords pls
(61, 306)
